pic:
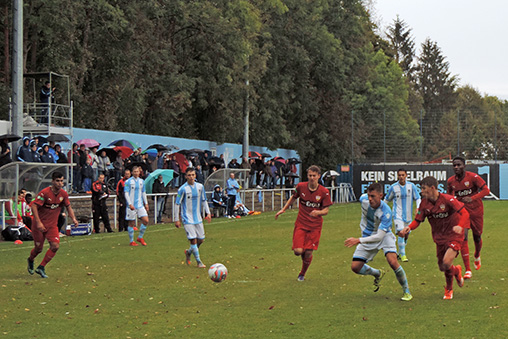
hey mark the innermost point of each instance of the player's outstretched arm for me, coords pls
(350, 242)
(290, 201)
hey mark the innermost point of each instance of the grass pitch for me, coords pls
(99, 287)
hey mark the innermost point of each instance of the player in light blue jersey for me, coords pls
(135, 197)
(190, 202)
(403, 193)
(376, 227)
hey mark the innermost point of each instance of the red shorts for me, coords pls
(51, 235)
(442, 248)
(306, 239)
(476, 222)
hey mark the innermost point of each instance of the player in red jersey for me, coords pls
(448, 218)
(46, 209)
(314, 202)
(469, 188)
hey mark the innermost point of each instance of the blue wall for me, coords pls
(230, 151)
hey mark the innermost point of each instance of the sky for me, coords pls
(472, 35)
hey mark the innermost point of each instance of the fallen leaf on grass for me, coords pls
(271, 307)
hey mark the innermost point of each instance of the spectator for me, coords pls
(100, 193)
(40, 151)
(122, 223)
(219, 201)
(222, 164)
(46, 156)
(33, 152)
(245, 164)
(52, 150)
(160, 159)
(252, 173)
(205, 167)
(118, 167)
(199, 175)
(25, 209)
(176, 171)
(159, 187)
(46, 97)
(95, 163)
(9, 211)
(5, 152)
(74, 156)
(268, 175)
(232, 188)
(62, 159)
(87, 174)
(23, 153)
(103, 164)
(233, 164)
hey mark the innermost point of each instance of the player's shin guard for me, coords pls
(401, 277)
(130, 230)
(367, 270)
(195, 251)
(464, 252)
(305, 264)
(47, 258)
(401, 241)
(142, 230)
(449, 277)
(478, 243)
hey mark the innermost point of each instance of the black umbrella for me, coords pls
(294, 161)
(58, 138)
(266, 155)
(110, 153)
(144, 166)
(10, 137)
(215, 161)
(292, 175)
(170, 147)
(158, 147)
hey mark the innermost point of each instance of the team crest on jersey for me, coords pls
(442, 206)
(61, 198)
(318, 197)
(466, 183)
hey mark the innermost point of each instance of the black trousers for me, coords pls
(122, 223)
(100, 211)
(231, 204)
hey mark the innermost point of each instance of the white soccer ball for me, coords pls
(217, 272)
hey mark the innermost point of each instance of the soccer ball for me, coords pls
(218, 272)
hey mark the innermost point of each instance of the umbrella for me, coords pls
(167, 176)
(172, 147)
(126, 151)
(152, 152)
(254, 154)
(42, 139)
(292, 175)
(110, 152)
(182, 161)
(330, 173)
(58, 138)
(144, 166)
(214, 161)
(294, 161)
(125, 143)
(158, 147)
(194, 151)
(266, 155)
(89, 143)
(10, 137)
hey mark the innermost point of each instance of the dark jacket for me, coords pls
(98, 190)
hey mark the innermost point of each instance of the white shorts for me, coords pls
(400, 225)
(131, 214)
(196, 231)
(367, 252)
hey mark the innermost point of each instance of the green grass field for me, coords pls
(99, 287)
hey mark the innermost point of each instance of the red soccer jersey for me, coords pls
(469, 186)
(443, 214)
(49, 206)
(310, 201)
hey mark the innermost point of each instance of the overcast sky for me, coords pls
(472, 35)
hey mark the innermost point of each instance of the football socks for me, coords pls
(130, 230)
(367, 270)
(402, 246)
(401, 277)
(142, 230)
(305, 264)
(464, 252)
(195, 251)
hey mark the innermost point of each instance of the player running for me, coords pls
(314, 202)
(403, 193)
(135, 197)
(46, 209)
(469, 188)
(190, 203)
(376, 226)
(448, 218)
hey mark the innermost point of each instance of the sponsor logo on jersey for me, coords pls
(312, 204)
(464, 192)
(442, 215)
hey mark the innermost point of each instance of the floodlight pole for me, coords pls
(246, 113)
(17, 70)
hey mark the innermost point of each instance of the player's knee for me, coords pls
(54, 247)
(443, 267)
(298, 251)
(38, 249)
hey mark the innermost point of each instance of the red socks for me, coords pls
(305, 264)
(464, 251)
(47, 258)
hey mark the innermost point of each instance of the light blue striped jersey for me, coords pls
(192, 200)
(403, 197)
(374, 219)
(135, 193)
